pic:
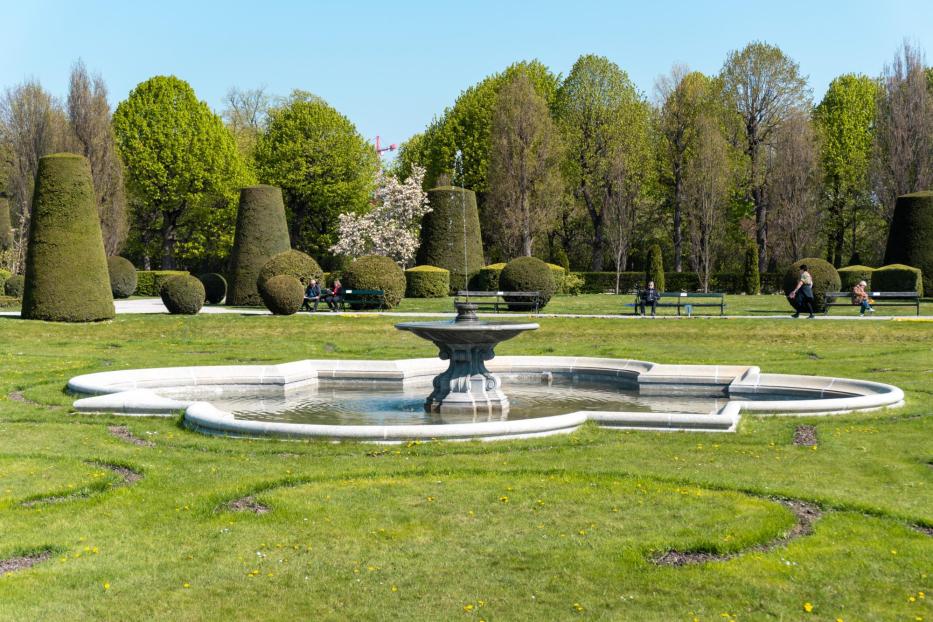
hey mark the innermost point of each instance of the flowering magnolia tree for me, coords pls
(391, 229)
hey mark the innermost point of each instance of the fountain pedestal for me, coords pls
(467, 387)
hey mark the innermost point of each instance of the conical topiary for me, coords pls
(751, 278)
(261, 233)
(6, 225)
(910, 240)
(654, 271)
(453, 215)
(66, 266)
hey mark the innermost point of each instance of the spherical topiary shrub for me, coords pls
(183, 295)
(293, 263)
(122, 276)
(215, 287)
(453, 214)
(487, 279)
(527, 274)
(897, 278)
(282, 294)
(825, 279)
(14, 286)
(426, 282)
(261, 233)
(66, 266)
(850, 276)
(910, 240)
(376, 272)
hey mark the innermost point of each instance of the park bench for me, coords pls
(880, 299)
(494, 301)
(685, 301)
(364, 297)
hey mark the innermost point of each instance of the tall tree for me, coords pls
(765, 88)
(32, 124)
(524, 169)
(605, 128)
(89, 114)
(683, 97)
(245, 115)
(844, 122)
(903, 147)
(324, 167)
(182, 169)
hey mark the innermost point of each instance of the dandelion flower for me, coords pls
(808, 607)
(106, 586)
(467, 608)
(186, 585)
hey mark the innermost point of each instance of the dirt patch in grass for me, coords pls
(123, 433)
(128, 475)
(924, 529)
(22, 562)
(805, 436)
(247, 504)
(805, 513)
(17, 396)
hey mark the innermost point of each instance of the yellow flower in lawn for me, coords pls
(503, 499)
(807, 607)
(186, 585)
(467, 608)
(579, 607)
(106, 586)
(394, 588)
(893, 551)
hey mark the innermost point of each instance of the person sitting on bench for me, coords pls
(336, 295)
(860, 298)
(312, 294)
(649, 296)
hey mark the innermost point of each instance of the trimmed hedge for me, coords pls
(453, 212)
(528, 274)
(122, 276)
(291, 262)
(215, 287)
(6, 225)
(261, 234)
(897, 278)
(825, 279)
(282, 294)
(851, 275)
(487, 279)
(910, 240)
(150, 282)
(14, 286)
(427, 282)
(376, 272)
(66, 266)
(183, 295)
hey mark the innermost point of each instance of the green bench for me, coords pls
(685, 301)
(363, 297)
(530, 301)
(880, 299)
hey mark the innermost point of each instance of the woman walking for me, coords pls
(803, 293)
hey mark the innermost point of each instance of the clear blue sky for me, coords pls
(391, 66)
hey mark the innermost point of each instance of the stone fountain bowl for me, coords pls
(467, 329)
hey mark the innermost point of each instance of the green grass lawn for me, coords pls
(549, 529)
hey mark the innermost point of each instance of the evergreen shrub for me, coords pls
(427, 282)
(6, 225)
(261, 233)
(558, 274)
(183, 295)
(910, 239)
(122, 276)
(4, 275)
(282, 294)
(150, 282)
(851, 275)
(453, 214)
(751, 280)
(897, 278)
(487, 279)
(655, 268)
(66, 266)
(825, 279)
(291, 262)
(215, 287)
(376, 272)
(527, 274)
(14, 286)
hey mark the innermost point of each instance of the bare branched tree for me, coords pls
(524, 171)
(89, 114)
(903, 149)
(245, 115)
(32, 124)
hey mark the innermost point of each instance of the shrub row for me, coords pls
(726, 282)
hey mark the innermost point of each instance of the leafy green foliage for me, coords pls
(215, 287)
(453, 215)
(910, 240)
(558, 274)
(751, 281)
(282, 294)
(376, 272)
(14, 286)
(897, 278)
(123, 278)
(324, 167)
(427, 282)
(655, 268)
(291, 262)
(825, 279)
(487, 279)
(183, 295)
(182, 169)
(150, 282)
(528, 274)
(66, 267)
(851, 275)
(6, 225)
(261, 233)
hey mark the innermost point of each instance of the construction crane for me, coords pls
(380, 150)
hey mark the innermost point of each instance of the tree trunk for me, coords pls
(598, 244)
(527, 239)
(168, 241)
(678, 227)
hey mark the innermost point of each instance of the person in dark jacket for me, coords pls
(802, 296)
(649, 296)
(312, 294)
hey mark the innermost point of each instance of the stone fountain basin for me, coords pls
(187, 390)
(467, 333)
